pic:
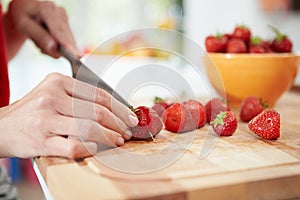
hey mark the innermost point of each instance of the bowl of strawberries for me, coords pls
(251, 66)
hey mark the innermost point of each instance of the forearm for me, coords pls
(13, 37)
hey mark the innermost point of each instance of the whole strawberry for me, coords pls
(149, 124)
(216, 43)
(242, 32)
(281, 43)
(257, 46)
(236, 45)
(225, 123)
(250, 107)
(213, 107)
(266, 125)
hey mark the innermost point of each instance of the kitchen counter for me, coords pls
(194, 165)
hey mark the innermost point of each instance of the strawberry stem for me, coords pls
(279, 35)
(157, 99)
(219, 119)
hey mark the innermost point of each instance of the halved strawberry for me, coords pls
(149, 124)
(225, 123)
(266, 125)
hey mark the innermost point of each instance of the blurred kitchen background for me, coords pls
(95, 21)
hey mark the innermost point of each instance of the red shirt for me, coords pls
(4, 82)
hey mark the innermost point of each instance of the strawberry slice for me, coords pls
(184, 117)
(175, 118)
(149, 124)
(197, 112)
(266, 125)
(225, 123)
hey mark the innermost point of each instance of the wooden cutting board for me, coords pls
(192, 165)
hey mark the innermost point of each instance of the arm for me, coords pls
(27, 18)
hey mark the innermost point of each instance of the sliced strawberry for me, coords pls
(188, 116)
(236, 45)
(225, 123)
(175, 118)
(197, 113)
(266, 125)
(250, 107)
(149, 124)
(214, 107)
(160, 105)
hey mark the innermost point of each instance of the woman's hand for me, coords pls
(63, 117)
(28, 18)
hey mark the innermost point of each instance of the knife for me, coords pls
(81, 72)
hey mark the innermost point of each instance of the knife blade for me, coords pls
(81, 72)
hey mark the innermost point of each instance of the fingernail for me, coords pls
(50, 46)
(120, 141)
(127, 135)
(133, 120)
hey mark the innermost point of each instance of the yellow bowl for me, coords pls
(266, 76)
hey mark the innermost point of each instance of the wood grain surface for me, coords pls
(192, 165)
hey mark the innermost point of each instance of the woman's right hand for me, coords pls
(63, 117)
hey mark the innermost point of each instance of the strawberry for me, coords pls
(213, 107)
(184, 117)
(197, 111)
(149, 124)
(281, 43)
(159, 105)
(175, 118)
(267, 45)
(236, 45)
(225, 123)
(266, 125)
(216, 43)
(242, 32)
(256, 45)
(250, 107)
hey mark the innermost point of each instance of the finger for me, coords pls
(57, 23)
(86, 110)
(96, 95)
(85, 130)
(60, 146)
(40, 37)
